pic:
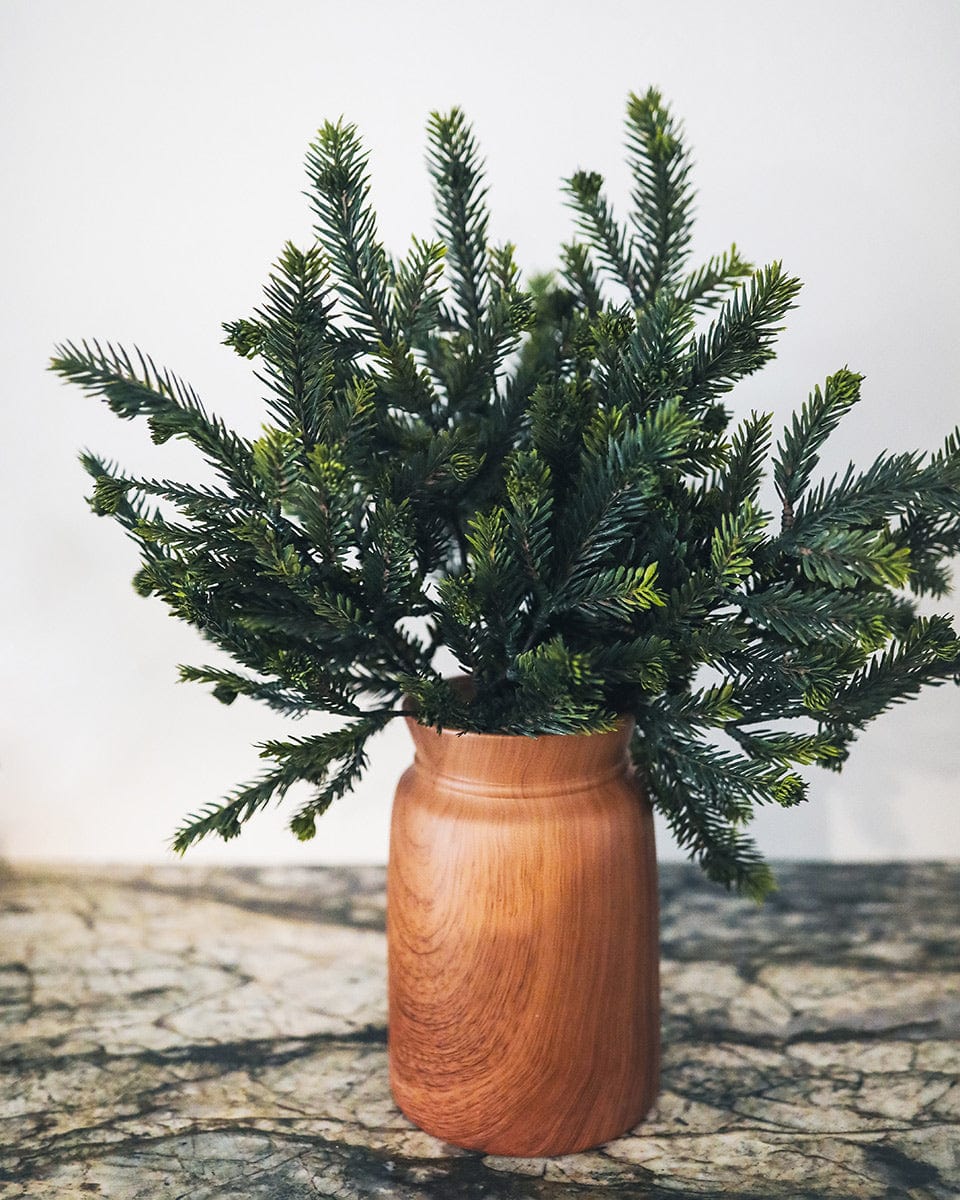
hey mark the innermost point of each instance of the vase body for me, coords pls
(522, 932)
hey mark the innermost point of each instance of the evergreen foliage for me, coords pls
(546, 481)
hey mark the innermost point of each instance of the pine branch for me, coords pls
(705, 287)
(226, 820)
(785, 748)
(604, 236)
(579, 273)
(528, 514)
(309, 759)
(707, 707)
(418, 290)
(347, 229)
(843, 557)
(797, 453)
(618, 479)
(931, 538)
(740, 340)
(651, 370)
(619, 591)
(643, 661)
(706, 794)
(777, 680)
(662, 196)
(392, 580)
(198, 501)
(929, 653)
(895, 485)
(821, 613)
(558, 415)
(113, 494)
(558, 692)
(293, 341)
(454, 162)
(228, 685)
(733, 544)
(347, 745)
(171, 406)
(741, 475)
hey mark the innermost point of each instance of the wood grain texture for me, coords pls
(522, 935)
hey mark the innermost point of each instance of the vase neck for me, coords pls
(485, 763)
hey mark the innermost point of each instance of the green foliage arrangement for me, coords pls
(546, 481)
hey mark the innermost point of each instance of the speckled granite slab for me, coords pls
(189, 1033)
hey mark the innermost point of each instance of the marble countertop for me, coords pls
(181, 1032)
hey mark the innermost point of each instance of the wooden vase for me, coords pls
(522, 930)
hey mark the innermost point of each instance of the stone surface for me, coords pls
(190, 1033)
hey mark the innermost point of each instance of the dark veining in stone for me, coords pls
(211, 1034)
(902, 1171)
(243, 1165)
(247, 1055)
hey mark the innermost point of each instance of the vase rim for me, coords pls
(488, 764)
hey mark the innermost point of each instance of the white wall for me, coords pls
(152, 170)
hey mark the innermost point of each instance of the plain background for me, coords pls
(152, 170)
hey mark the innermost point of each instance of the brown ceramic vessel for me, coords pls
(523, 941)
